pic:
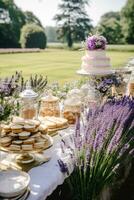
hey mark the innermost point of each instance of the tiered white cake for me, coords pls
(95, 60)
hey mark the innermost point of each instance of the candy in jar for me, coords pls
(49, 106)
(28, 103)
(72, 109)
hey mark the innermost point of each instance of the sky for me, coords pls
(46, 9)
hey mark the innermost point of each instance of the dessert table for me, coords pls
(46, 177)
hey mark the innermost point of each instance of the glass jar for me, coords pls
(131, 85)
(49, 106)
(29, 106)
(72, 109)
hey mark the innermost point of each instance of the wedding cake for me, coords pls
(95, 60)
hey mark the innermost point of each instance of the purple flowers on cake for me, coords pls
(95, 42)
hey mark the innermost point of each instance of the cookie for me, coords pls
(24, 135)
(29, 141)
(16, 128)
(5, 141)
(14, 147)
(27, 147)
(29, 128)
(6, 128)
(18, 121)
(43, 128)
(17, 142)
(39, 145)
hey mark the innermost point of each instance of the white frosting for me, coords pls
(95, 60)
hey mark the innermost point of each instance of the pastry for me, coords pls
(33, 122)
(5, 141)
(50, 124)
(29, 141)
(39, 145)
(14, 147)
(13, 134)
(16, 128)
(18, 121)
(3, 134)
(29, 128)
(6, 128)
(27, 147)
(43, 128)
(18, 142)
(36, 135)
(24, 135)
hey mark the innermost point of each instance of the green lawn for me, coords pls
(57, 64)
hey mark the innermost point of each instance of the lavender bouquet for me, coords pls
(99, 148)
(95, 42)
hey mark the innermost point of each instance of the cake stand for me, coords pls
(94, 80)
(25, 157)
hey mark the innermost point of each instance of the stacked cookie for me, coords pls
(54, 123)
(24, 135)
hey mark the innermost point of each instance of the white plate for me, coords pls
(13, 183)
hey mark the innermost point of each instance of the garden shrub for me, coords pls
(32, 36)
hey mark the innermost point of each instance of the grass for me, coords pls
(57, 64)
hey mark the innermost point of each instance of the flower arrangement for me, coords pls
(95, 42)
(10, 88)
(99, 148)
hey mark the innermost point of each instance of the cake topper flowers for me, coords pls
(95, 42)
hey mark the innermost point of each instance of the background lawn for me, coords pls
(58, 64)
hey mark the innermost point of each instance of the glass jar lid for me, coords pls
(28, 93)
(72, 102)
(49, 97)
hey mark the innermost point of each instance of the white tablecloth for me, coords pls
(46, 178)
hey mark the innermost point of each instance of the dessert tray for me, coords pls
(24, 137)
(14, 185)
(95, 73)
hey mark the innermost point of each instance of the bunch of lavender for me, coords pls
(95, 42)
(104, 84)
(8, 90)
(100, 147)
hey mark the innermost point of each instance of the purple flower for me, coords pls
(63, 166)
(96, 42)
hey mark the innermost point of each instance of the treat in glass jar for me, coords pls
(72, 109)
(28, 103)
(49, 105)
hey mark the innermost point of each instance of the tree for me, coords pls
(31, 18)
(110, 27)
(10, 28)
(128, 21)
(73, 21)
(33, 36)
